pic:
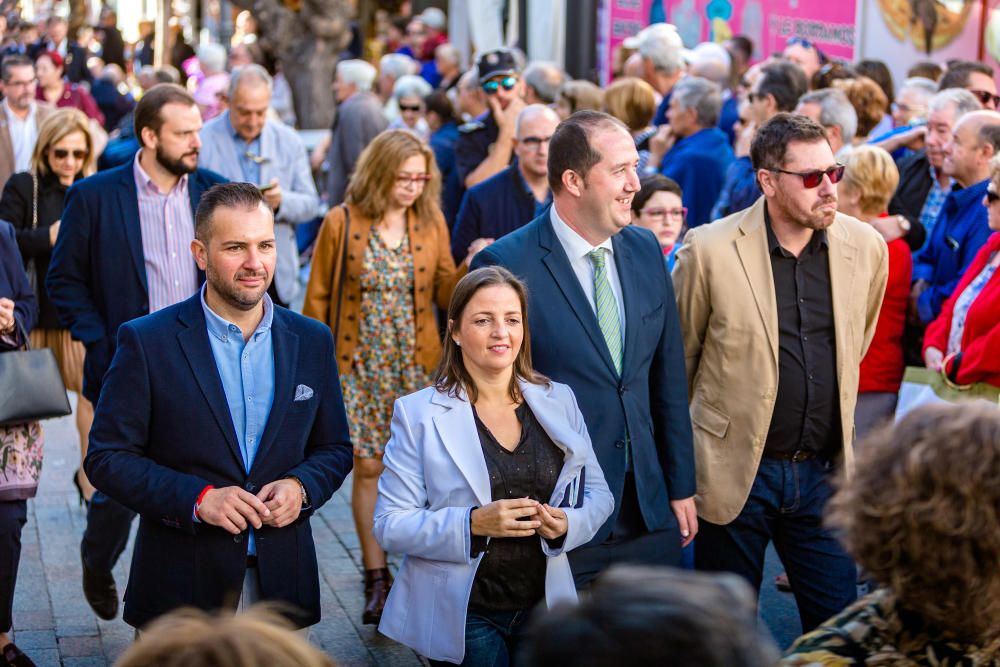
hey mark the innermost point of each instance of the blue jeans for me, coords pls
(786, 505)
(491, 639)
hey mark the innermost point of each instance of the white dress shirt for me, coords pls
(577, 250)
(23, 135)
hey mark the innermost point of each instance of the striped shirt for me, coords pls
(167, 231)
(935, 200)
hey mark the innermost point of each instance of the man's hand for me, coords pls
(283, 497)
(659, 145)
(232, 509)
(934, 359)
(7, 322)
(687, 519)
(501, 518)
(553, 520)
(889, 227)
(272, 196)
(475, 247)
(506, 119)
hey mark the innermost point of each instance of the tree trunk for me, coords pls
(306, 36)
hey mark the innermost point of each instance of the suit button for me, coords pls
(350, 317)
(347, 336)
(238, 539)
(620, 444)
(419, 248)
(344, 357)
(250, 486)
(621, 390)
(357, 237)
(350, 257)
(422, 269)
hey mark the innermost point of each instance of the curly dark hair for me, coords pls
(921, 515)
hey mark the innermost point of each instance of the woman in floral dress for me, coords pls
(381, 263)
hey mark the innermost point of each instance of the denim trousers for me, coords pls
(786, 506)
(491, 638)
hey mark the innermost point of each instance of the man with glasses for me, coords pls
(242, 145)
(778, 305)
(21, 117)
(976, 78)
(806, 55)
(515, 196)
(486, 145)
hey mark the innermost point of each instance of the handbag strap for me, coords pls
(343, 271)
(19, 328)
(34, 200)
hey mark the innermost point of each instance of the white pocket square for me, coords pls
(303, 393)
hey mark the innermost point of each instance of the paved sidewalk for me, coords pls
(54, 625)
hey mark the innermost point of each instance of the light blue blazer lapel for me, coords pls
(456, 427)
(551, 412)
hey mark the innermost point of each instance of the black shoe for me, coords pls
(12, 655)
(101, 593)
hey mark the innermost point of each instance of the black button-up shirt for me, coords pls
(807, 409)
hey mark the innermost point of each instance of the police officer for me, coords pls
(485, 145)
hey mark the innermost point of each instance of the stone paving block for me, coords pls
(30, 640)
(32, 619)
(89, 661)
(76, 626)
(80, 646)
(45, 657)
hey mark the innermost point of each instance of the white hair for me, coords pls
(963, 101)
(834, 109)
(411, 85)
(534, 111)
(710, 61)
(212, 58)
(662, 46)
(434, 18)
(448, 52)
(397, 65)
(357, 72)
(249, 74)
(924, 87)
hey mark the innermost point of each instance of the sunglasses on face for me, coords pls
(406, 107)
(62, 154)
(812, 179)
(412, 179)
(508, 83)
(985, 97)
(992, 196)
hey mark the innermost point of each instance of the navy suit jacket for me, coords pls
(97, 274)
(163, 431)
(650, 397)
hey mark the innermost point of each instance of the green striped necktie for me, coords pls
(607, 308)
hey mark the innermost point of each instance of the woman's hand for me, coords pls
(501, 518)
(934, 359)
(6, 316)
(889, 227)
(553, 520)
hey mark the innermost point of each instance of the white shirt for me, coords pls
(23, 135)
(577, 249)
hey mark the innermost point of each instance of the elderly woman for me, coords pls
(870, 179)
(211, 81)
(576, 96)
(920, 516)
(633, 102)
(409, 92)
(490, 480)
(964, 340)
(33, 203)
(20, 444)
(382, 260)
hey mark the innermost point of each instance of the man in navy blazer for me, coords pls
(222, 424)
(603, 320)
(122, 252)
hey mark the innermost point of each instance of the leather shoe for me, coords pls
(100, 590)
(12, 655)
(377, 585)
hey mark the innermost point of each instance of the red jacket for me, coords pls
(980, 346)
(882, 368)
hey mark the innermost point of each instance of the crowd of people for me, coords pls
(565, 337)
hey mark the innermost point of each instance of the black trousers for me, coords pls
(13, 515)
(104, 539)
(629, 542)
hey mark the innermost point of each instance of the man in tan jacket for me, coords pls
(20, 116)
(778, 304)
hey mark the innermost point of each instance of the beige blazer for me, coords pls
(729, 318)
(42, 111)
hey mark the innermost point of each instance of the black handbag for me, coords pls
(31, 387)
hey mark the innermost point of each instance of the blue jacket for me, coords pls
(443, 144)
(739, 191)
(492, 209)
(648, 403)
(163, 431)
(698, 163)
(14, 283)
(961, 230)
(97, 275)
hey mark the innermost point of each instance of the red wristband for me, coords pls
(201, 496)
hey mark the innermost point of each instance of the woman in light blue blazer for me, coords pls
(490, 479)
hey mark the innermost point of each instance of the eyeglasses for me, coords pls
(755, 97)
(663, 213)
(20, 84)
(62, 154)
(992, 196)
(905, 108)
(415, 108)
(412, 179)
(986, 97)
(812, 179)
(508, 83)
(534, 143)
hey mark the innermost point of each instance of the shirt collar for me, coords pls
(963, 196)
(818, 238)
(12, 117)
(143, 180)
(220, 328)
(575, 245)
(525, 188)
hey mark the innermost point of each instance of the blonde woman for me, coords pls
(382, 261)
(33, 203)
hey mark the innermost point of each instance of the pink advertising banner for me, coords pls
(769, 23)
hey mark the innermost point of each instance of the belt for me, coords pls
(251, 561)
(797, 456)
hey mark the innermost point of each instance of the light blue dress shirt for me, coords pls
(247, 374)
(250, 168)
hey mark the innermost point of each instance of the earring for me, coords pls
(458, 343)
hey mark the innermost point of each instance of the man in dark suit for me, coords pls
(57, 40)
(603, 320)
(224, 515)
(123, 252)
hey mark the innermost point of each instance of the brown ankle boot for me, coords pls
(377, 585)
